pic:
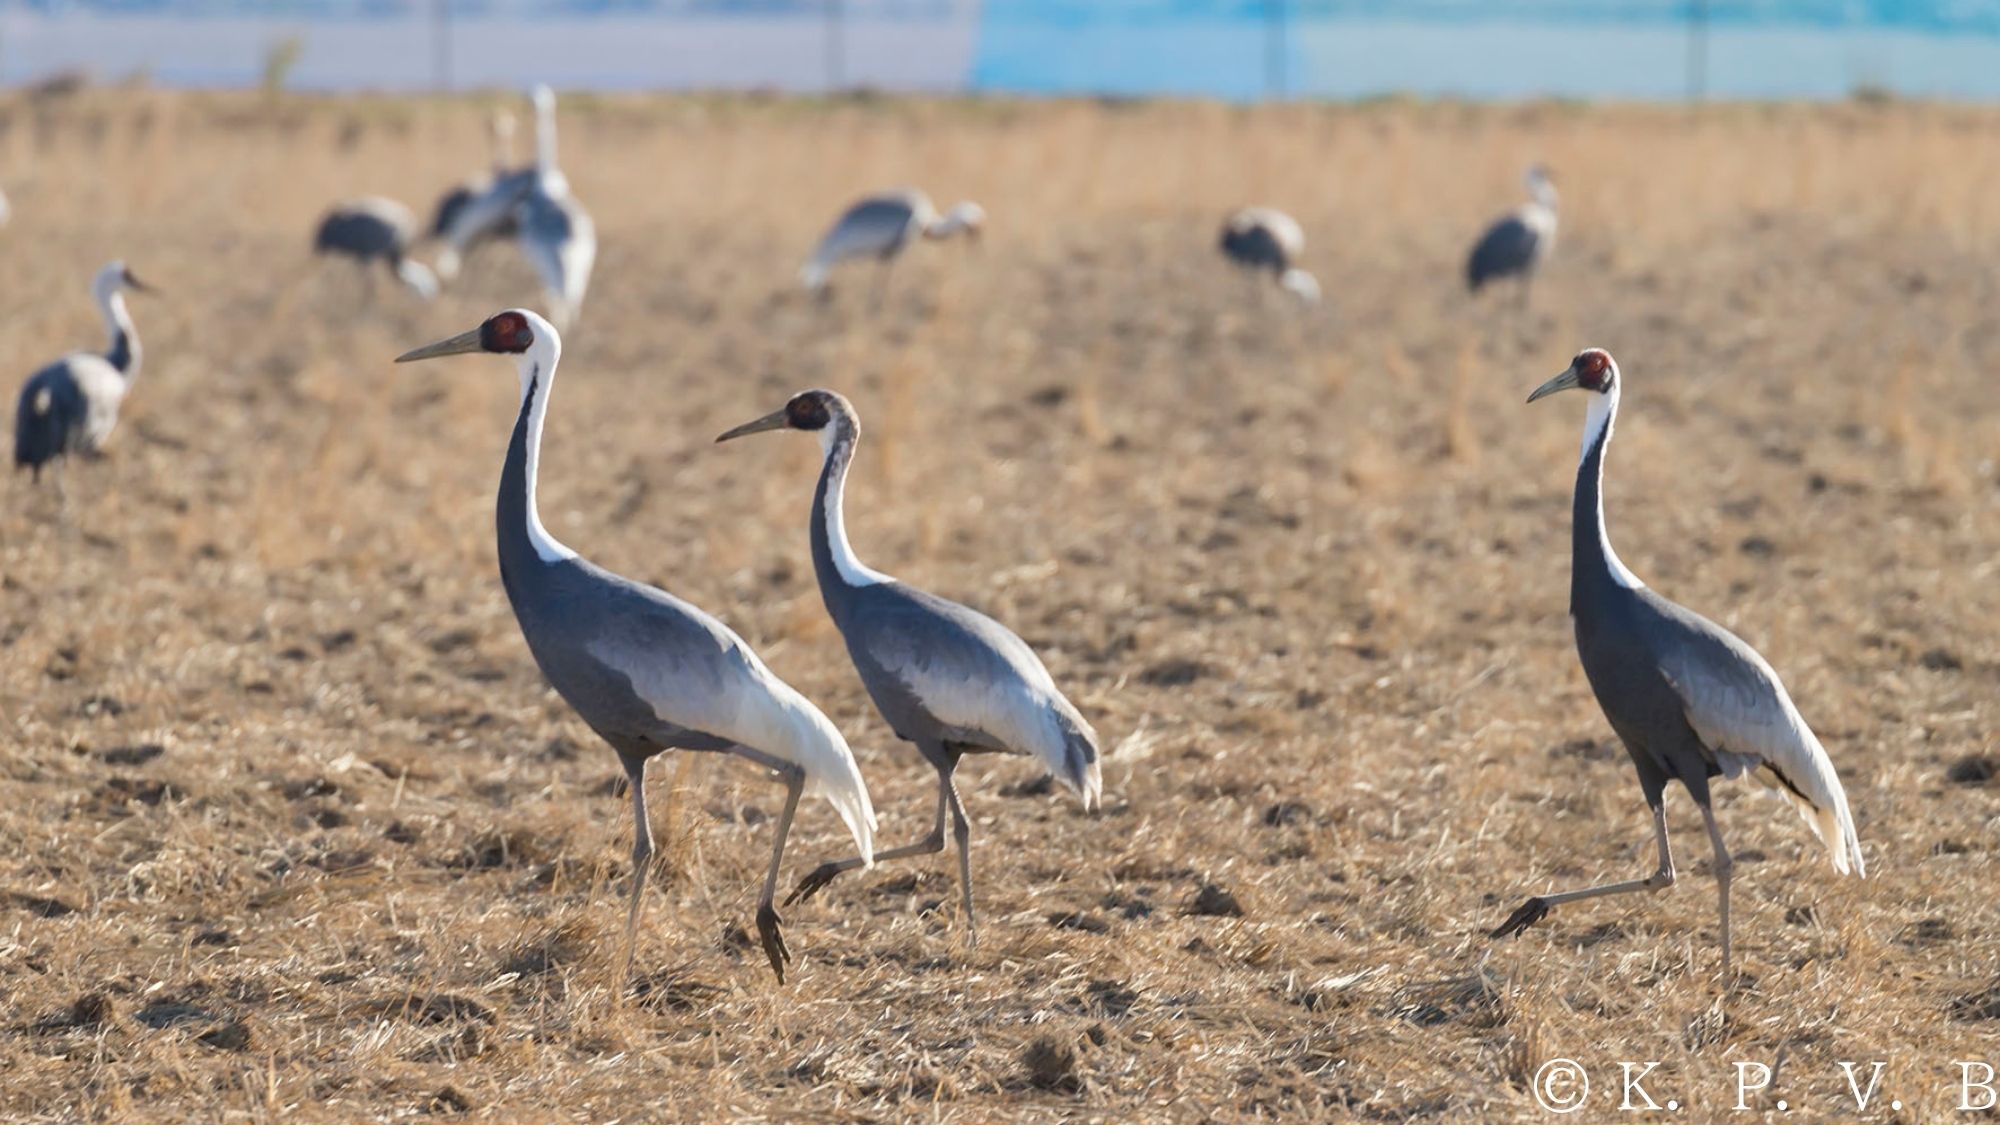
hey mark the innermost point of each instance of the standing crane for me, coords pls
(71, 406)
(647, 671)
(1518, 242)
(947, 678)
(373, 229)
(555, 233)
(1264, 239)
(1689, 699)
(880, 227)
(500, 130)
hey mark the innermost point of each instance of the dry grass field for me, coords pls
(294, 828)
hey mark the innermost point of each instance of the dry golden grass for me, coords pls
(295, 828)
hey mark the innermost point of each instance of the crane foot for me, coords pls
(814, 882)
(774, 940)
(1531, 912)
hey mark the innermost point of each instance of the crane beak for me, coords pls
(132, 282)
(1563, 382)
(457, 345)
(775, 420)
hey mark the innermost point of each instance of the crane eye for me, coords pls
(806, 412)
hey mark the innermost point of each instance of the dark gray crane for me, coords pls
(1518, 242)
(71, 406)
(1687, 697)
(947, 678)
(880, 227)
(1266, 240)
(647, 671)
(371, 230)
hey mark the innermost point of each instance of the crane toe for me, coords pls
(1531, 912)
(774, 940)
(813, 882)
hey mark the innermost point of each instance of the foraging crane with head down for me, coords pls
(647, 671)
(71, 405)
(1687, 697)
(881, 227)
(947, 678)
(373, 229)
(1266, 240)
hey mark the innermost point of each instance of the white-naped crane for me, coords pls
(946, 677)
(1688, 698)
(71, 406)
(1518, 242)
(500, 131)
(880, 227)
(1266, 240)
(373, 230)
(647, 671)
(554, 231)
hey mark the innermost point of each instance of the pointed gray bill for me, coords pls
(457, 345)
(1563, 382)
(133, 283)
(775, 420)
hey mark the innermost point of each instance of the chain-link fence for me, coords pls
(1243, 50)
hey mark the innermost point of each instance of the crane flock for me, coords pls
(650, 673)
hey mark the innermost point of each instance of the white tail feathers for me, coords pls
(832, 773)
(1831, 823)
(1300, 284)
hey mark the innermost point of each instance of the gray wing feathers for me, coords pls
(978, 681)
(1746, 720)
(1508, 247)
(871, 227)
(559, 238)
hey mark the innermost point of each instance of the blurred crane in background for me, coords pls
(881, 227)
(373, 229)
(1518, 242)
(1266, 240)
(71, 405)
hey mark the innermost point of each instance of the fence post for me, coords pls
(1697, 58)
(1274, 50)
(836, 46)
(441, 45)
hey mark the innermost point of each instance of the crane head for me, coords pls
(811, 411)
(1593, 370)
(115, 276)
(509, 333)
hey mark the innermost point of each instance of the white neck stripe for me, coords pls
(852, 570)
(538, 373)
(1603, 411)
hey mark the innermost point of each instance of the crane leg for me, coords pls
(767, 914)
(881, 286)
(1724, 866)
(961, 831)
(1537, 908)
(827, 872)
(642, 856)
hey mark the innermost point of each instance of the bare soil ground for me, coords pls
(294, 827)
